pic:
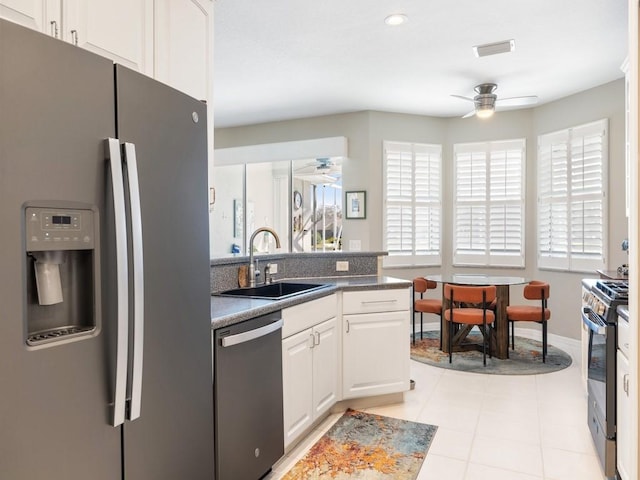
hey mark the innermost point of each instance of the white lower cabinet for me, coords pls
(624, 454)
(325, 360)
(310, 360)
(375, 342)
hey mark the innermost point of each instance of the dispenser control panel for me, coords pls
(59, 229)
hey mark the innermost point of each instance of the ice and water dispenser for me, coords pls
(62, 263)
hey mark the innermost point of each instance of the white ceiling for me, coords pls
(287, 59)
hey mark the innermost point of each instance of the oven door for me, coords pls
(601, 369)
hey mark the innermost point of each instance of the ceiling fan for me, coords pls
(318, 166)
(486, 101)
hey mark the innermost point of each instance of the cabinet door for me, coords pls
(121, 30)
(375, 353)
(297, 371)
(325, 367)
(623, 418)
(183, 49)
(40, 15)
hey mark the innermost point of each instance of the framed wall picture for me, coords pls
(356, 205)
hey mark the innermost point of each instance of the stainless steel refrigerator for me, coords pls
(105, 342)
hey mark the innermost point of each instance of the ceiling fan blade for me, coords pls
(470, 114)
(305, 170)
(463, 98)
(517, 101)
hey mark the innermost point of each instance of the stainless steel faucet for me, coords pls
(252, 268)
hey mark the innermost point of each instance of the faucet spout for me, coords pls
(252, 268)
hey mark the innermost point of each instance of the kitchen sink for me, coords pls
(273, 291)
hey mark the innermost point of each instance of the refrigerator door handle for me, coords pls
(112, 153)
(131, 166)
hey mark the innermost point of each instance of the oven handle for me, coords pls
(591, 325)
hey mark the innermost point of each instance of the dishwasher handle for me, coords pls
(251, 334)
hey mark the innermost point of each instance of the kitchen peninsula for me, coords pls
(345, 344)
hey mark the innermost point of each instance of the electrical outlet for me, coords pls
(274, 268)
(342, 266)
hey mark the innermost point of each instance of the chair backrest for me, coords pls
(421, 284)
(468, 294)
(536, 290)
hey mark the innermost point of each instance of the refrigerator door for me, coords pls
(173, 436)
(56, 108)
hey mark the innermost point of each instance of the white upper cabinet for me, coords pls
(41, 15)
(121, 30)
(169, 40)
(184, 46)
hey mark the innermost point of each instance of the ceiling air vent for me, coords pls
(494, 48)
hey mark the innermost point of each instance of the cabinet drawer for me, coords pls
(371, 301)
(306, 315)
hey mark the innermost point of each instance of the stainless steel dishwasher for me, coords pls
(248, 398)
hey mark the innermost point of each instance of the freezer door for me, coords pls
(173, 436)
(56, 108)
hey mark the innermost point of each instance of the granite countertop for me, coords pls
(227, 311)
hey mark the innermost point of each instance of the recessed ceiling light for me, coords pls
(396, 19)
(494, 48)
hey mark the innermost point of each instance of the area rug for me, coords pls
(526, 359)
(366, 446)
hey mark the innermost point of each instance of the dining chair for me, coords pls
(534, 290)
(469, 305)
(425, 305)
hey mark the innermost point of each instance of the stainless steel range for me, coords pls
(599, 302)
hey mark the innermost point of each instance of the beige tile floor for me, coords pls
(493, 427)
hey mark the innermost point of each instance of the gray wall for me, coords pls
(363, 171)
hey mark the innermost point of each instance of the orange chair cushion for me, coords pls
(471, 316)
(428, 305)
(526, 313)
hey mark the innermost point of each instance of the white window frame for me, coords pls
(474, 243)
(422, 245)
(556, 196)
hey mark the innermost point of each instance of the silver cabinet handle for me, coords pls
(625, 383)
(131, 165)
(74, 37)
(54, 28)
(112, 153)
(251, 334)
(317, 337)
(347, 325)
(379, 301)
(313, 341)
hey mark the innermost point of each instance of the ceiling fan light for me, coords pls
(484, 111)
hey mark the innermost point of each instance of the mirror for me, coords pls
(267, 199)
(300, 199)
(317, 205)
(228, 211)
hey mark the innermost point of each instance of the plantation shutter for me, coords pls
(571, 198)
(489, 203)
(412, 201)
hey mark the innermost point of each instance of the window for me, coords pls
(489, 203)
(572, 198)
(412, 203)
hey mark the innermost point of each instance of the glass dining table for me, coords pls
(499, 344)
